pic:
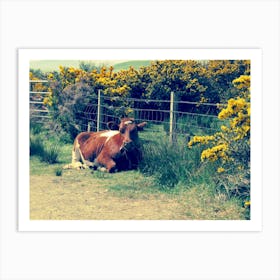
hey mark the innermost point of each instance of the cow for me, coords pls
(110, 150)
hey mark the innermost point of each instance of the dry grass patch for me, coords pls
(81, 195)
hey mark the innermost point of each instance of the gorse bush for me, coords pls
(72, 91)
(230, 147)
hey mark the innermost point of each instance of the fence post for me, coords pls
(171, 117)
(98, 122)
(172, 122)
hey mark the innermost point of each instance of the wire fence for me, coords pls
(167, 118)
(172, 117)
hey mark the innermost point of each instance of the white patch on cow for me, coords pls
(75, 165)
(109, 134)
(127, 122)
(102, 169)
(78, 160)
(76, 153)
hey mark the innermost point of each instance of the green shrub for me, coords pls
(73, 107)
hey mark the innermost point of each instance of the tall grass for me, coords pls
(48, 152)
(36, 145)
(171, 164)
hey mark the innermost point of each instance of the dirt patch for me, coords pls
(58, 198)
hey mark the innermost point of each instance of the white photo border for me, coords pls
(24, 58)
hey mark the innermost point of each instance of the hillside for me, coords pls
(53, 65)
(135, 63)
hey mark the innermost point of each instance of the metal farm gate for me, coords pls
(38, 111)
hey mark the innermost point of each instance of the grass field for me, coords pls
(87, 194)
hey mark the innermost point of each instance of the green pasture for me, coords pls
(61, 194)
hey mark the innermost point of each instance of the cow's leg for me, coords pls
(85, 163)
(78, 160)
(109, 163)
(111, 166)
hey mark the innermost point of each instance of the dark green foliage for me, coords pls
(48, 152)
(58, 171)
(36, 128)
(36, 145)
(74, 108)
(169, 163)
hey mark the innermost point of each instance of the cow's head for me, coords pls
(129, 130)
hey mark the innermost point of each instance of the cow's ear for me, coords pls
(113, 126)
(141, 125)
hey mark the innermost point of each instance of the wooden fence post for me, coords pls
(88, 127)
(99, 111)
(172, 120)
(171, 116)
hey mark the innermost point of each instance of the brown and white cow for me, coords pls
(108, 150)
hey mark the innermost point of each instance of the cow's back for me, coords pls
(90, 144)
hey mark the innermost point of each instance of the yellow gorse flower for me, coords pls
(220, 170)
(247, 203)
(215, 152)
(201, 140)
(243, 82)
